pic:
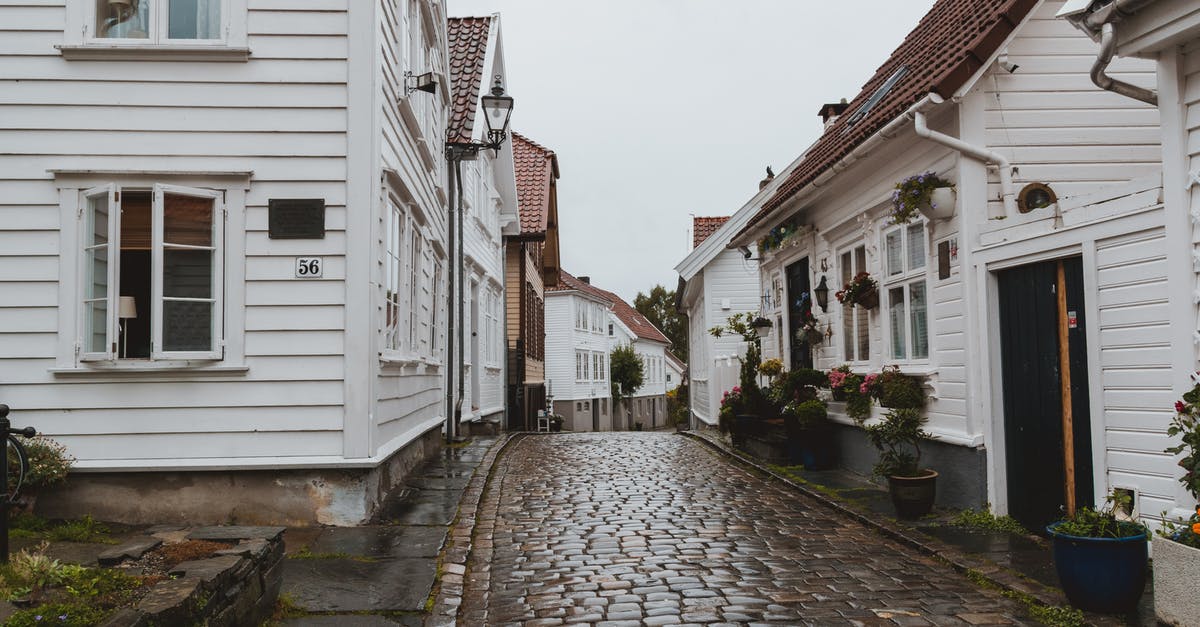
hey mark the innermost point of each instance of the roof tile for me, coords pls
(948, 46)
(467, 39)
(702, 228)
(536, 167)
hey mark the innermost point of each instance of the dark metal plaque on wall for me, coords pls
(296, 218)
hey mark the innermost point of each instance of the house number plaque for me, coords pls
(309, 267)
(296, 218)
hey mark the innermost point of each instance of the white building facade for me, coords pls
(1167, 32)
(967, 302)
(578, 323)
(225, 243)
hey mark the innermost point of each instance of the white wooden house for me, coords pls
(676, 371)
(223, 251)
(489, 213)
(646, 408)
(995, 97)
(577, 350)
(1167, 32)
(715, 283)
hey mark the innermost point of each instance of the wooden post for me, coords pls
(1064, 368)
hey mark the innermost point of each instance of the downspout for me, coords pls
(455, 162)
(978, 153)
(1108, 46)
(461, 313)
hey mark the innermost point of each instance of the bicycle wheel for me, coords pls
(18, 468)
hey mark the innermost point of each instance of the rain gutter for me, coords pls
(1102, 22)
(1007, 190)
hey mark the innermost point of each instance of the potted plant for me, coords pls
(896, 390)
(49, 465)
(849, 386)
(1101, 560)
(1177, 545)
(810, 330)
(739, 416)
(898, 437)
(862, 290)
(556, 422)
(810, 434)
(927, 194)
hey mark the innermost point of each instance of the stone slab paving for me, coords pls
(654, 529)
(354, 584)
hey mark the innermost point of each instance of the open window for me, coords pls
(152, 276)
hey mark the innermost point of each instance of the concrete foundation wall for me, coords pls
(247, 497)
(962, 471)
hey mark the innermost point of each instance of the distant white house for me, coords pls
(676, 371)
(1058, 194)
(224, 252)
(1168, 32)
(647, 407)
(715, 283)
(490, 212)
(578, 324)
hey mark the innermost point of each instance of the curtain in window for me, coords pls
(917, 312)
(194, 19)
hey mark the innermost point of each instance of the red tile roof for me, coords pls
(949, 45)
(625, 312)
(467, 39)
(536, 166)
(703, 227)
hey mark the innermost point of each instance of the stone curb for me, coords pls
(961, 562)
(452, 562)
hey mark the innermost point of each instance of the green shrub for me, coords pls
(49, 463)
(78, 614)
(807, 414)
(898, 439)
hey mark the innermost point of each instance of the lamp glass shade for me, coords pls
(127, 308)
(821, 294)
(497, 107)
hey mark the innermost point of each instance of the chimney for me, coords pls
(831, 112)
(770, 176)
(585, 279)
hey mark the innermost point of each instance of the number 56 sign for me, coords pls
(308, 267)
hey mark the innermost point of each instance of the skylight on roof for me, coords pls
(883, 90)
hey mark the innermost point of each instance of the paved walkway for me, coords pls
(654, 529)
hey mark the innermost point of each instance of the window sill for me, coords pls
(154, 52)
(403, 361)
(132, 369)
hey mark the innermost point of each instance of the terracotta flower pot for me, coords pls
(913, 496)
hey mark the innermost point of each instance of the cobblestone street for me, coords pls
(654, 529)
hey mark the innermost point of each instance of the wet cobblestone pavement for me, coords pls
(653, 529)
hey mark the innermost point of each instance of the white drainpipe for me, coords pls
(1108, 45)
(917, 114)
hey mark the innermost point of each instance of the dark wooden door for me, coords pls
(799, 307)
(1033, 399)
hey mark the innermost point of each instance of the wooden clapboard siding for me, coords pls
(283, 115)
(1051, 121)
(1135, 363)
(409, 396)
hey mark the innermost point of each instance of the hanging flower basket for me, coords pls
(940, 205)
(868, 299)
(914, 194)
(811, 336)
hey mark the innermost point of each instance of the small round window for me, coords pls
(1035, 196)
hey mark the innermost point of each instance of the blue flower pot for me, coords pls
(1101, 574)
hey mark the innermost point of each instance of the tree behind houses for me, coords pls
(626, 373)
(659, 309)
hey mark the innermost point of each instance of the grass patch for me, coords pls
(307, 554)
(77, 614)
(1052, 615)
(86, 529)
(985, 520)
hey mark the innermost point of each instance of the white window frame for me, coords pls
(850, 308)
(80, 40)
(904, 279)
(158, 247)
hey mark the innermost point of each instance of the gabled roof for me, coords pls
(536, 168)
(954, 40)
(676, 361)
(703, 227)
(630, 317)
(467, 39)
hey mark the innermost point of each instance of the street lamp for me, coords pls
(497, 108)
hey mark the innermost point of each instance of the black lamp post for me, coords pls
(821, 294)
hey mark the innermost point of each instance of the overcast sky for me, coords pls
(661, 109)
